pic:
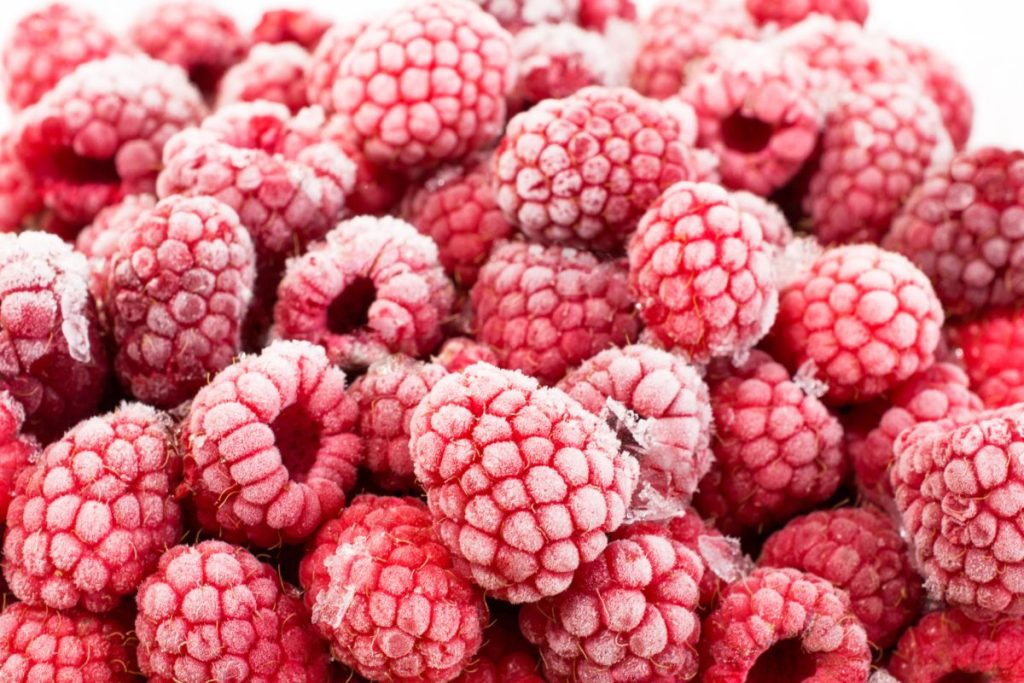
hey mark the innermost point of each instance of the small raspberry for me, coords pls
(381, 589)
(377, 188)
(16, 452)
(523, 483)
(458, 353)
(518, 14)
(990, 343)
(505, 656)
(596, 15)
(272, 72)
(943, 84)
(300, 26)
(98, 241)
(322, 68)
(271, 445)
(213, 612)
(544, 310)
(777, 231)
(789, 12)
(19, 196)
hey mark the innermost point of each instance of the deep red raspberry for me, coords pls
(300, 26)
(523, 483)
(98, 241)
(990, 343)
(272, 72)
(322, 68)
(382, 590)
(213, 612)
(517, 14)
(458, 353)
(789, 12)
(19, 196)
(16, 451)
(595, 15)
(777, 231)
(944, 85)
(505, 656)
(544, 310)
(271, 446)
(377, 188)
(1004, 388)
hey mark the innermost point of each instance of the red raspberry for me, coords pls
(38, 645)
(322, 68)
(964, 227)
(596, 15)
(271, 445)
(629, 615)
(943, 84)
(544, 310)
(861, 318)
(382, 590)
(272, 72)
(372, 288)
(701, 271)
(777, 231)
(879, 143)
(523, 483)
(505, 656)
(783, 625)
(98, 241)
(990, 343)
(426, 84)
(458, 353)
(778, 450)
(178, 288)
(377, 188)
(16, 451)
(51, 355)
(95, 512)
(582, 170)
(517, 14)
(1005, 388)
(19, 196)
(300, 26)
(789, 12)
(213, 612)
(665, 391)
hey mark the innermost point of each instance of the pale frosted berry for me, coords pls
(517, 14)
(19, 196)
(786, 12)
(322, 68)
(523, 483)
(98, 241)
(272, 72)
(945, 86)
(597, 15)
(17, 450)
(458, 353)
(300, 26)
(777, 231)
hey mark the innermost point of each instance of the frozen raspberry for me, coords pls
(777, 231)
(990, 343)
(96, 512)
(1004, 388)
(382, 590)
(271, 446)
(193, 35)
(629, 615)
(377, 188)
(517, 14)
(300, 26)
(213, 612)
(783, 625)
(860, 319)
(595, 15)
(778, 450)
(98, 135)
(943, 84)
(458, 353)
(664, 390)
(582, 170)
(51, 356)
(322, 68)
(505, 656)
(789, 12)
(98, 241)
(19, 196)
(38, 645)
(544, 310)
(275, 73)
(16, 451)
(524, 484)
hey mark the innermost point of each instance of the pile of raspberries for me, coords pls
(506, 341)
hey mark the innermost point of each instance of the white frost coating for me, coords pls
(795, 260)
(724, 557)
(649, 505)
(882, 676)
(332, 604)
(534, 47)
(806, 377)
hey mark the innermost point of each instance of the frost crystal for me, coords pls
(724, 557)
(332, 603)
(806, 377)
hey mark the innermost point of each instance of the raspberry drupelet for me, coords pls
(458, 353)
(300, 26)
(98, 241)
(945, 86)
(17, 450)
(272, 72)
(790, 12)
(523, 483)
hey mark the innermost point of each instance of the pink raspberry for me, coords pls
(783, 625)
(664, 390)
(270, 445)
(382, 590)
(19, 196)
(778, 450)
(544, 310)
(272, 72)
(702, 274)
(458, 353)
(523, 483)
(944, 85)
(16, 451)
(213, 612)
(596, 15)
(377, 188)
(96, 512)
(789, 12)
(990, 343)
(325, 60)
(582, 170)
(300, 26)
(517, 14)
(859, 318)
(777, 231)
(98, 241)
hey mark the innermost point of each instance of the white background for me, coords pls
(983, 37)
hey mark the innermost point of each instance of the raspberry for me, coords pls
(777, 231)
(790, 12)
(879, 143)
(701, 271)
(964, 226)
(862, 318)
(1005, 388)
(943, 84)
(989, 343)
(37, 644)
(290, 26)
(458, 353)
(322, 68)
(544, 310)
(16, 451)
(595, 15)
(783, 625)
(387, 395)
(47, 45)
(95, 512)
(518, 14)
(629, 615)
(270, 445)
(426, 84)
(664, 390)
(98, 135)
(377, 188)
(51, 355)
(275, 73)
(19, 197)
(523, 483)
(582, 170)
(372, 288)
(98, 241)
(505, 656)
(213, 612)
(178, 288)
(778, 450)
(381, 589)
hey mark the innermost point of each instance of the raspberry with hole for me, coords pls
(945, 86)
(300, 26)
(790, 12)
(271, 72)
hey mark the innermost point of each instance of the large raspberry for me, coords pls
(524, 484)
(546, 309)
(458, 353)
(381, 589)
(789, 12)
(701, 271)
(16, 450)
(275, 73)
(98, 241)
(213, 612)
(19, 196)
(301, 26)
(322, 68)
(517, 14)
(943, 84)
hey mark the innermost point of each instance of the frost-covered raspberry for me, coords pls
(213, 612)
(789, 12)
(272, 72)
(702, 274)
(377, 188)
(505, 656)
(783, 625)
(322, 68)
(556, 60)
(270, 445)
(777, 231)
(860, 319)
(582, 170)
(16, 451)
(944, 85)
(96, 512)
(544, 310)
(518, 14)
(458, 353)
(301, 26)
(98, 241)
(19, 196)
(382, 590)
(523, 483)
(596, 15)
